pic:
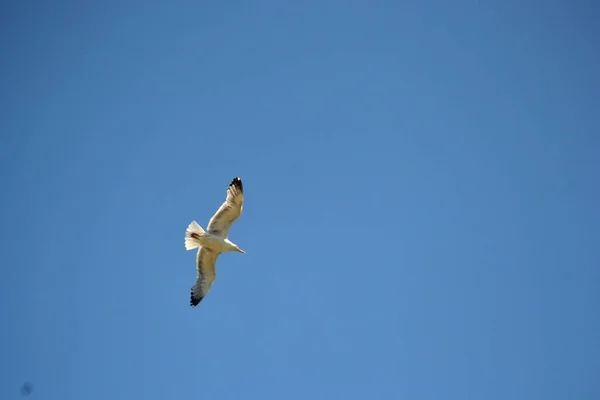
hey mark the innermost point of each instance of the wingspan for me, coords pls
(205, 267)
(229, 211)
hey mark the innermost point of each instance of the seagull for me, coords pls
(214, 241)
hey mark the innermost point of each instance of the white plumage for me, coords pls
(214, 241)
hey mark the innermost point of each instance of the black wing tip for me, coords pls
(237, 182)
(195, 300)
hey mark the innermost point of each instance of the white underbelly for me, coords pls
(215, 243)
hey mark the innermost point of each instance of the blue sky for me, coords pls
(421, 212)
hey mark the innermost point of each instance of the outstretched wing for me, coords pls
(205, 267)
(229, 211)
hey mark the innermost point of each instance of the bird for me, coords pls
(214, 241)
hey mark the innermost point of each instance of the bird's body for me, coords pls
(214, 241)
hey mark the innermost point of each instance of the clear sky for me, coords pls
(421, 213)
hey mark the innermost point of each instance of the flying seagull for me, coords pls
(214, 240)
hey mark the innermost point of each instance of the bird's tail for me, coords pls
(192, 236)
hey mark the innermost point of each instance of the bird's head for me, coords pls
(239, 250)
